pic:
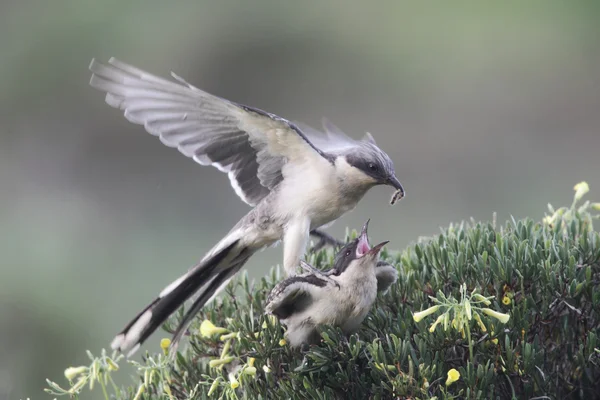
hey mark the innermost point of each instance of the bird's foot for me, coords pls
(325, 239)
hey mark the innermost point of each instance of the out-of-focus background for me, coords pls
(483, 107)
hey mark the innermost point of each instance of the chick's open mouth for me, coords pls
(363, 246)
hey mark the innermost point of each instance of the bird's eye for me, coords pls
(373, 167)
(348, 253)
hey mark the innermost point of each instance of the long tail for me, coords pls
(207, 278)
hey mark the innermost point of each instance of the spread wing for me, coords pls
(251, 146)
(293, 295)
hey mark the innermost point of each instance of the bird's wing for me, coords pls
(250, 145)
(293, 295)
(332, 140)
(386, 276)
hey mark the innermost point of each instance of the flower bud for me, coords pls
(78, 385)
(140, 391)
(220, 361)
(468, 309)
(437, 321)
(250, 371)
(580, 190)
(479, 321)
(73, 372)
(418, 316)
(499, 316)
(482, 299)
(214, 386)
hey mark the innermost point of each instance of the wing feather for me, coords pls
(293, 295)
(386, 275)
(250, 145)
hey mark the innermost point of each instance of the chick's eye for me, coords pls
(348, 253)
(373, 167)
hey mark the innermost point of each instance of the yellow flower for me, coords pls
(225, 349)
(453, 376)
(282, 342)
(233, 382)
(140, 392)
(77, 387)
(482, 299)
(468, 309)
(217, 362)
(72, 372)
(596, 206)
(418, 316)
(446, 320)
(506, 300)
(437, 321)
(495, 340)
(228, 336)
(214, 386)
(164, 344)
(113, 366)
(499, 316)
(207, 329)
(250, 369)
(580, 190)
(479, 321)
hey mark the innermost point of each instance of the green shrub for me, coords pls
(544, 277)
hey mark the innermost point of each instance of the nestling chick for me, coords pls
(340, 297)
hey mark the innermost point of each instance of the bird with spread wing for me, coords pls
(297, 180)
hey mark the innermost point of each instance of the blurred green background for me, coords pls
(484, 107)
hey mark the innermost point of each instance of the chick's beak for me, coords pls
(363, 241)
(377, 248)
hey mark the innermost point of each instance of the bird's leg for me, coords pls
(325, 239)
(295, 240)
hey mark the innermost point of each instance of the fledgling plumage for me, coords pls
(340, 297)
(296, 179)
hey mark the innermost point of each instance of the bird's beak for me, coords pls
(363, 247)
(395, 183)
(363, 241)
(377, 248)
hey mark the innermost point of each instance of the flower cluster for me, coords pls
(562, 217)
(462, 311)
(98, 371)
(207, 330)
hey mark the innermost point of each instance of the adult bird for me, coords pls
(296, 180)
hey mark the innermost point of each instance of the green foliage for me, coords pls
(540, 281)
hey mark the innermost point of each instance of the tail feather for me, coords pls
(208, 293)
(206, 278)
